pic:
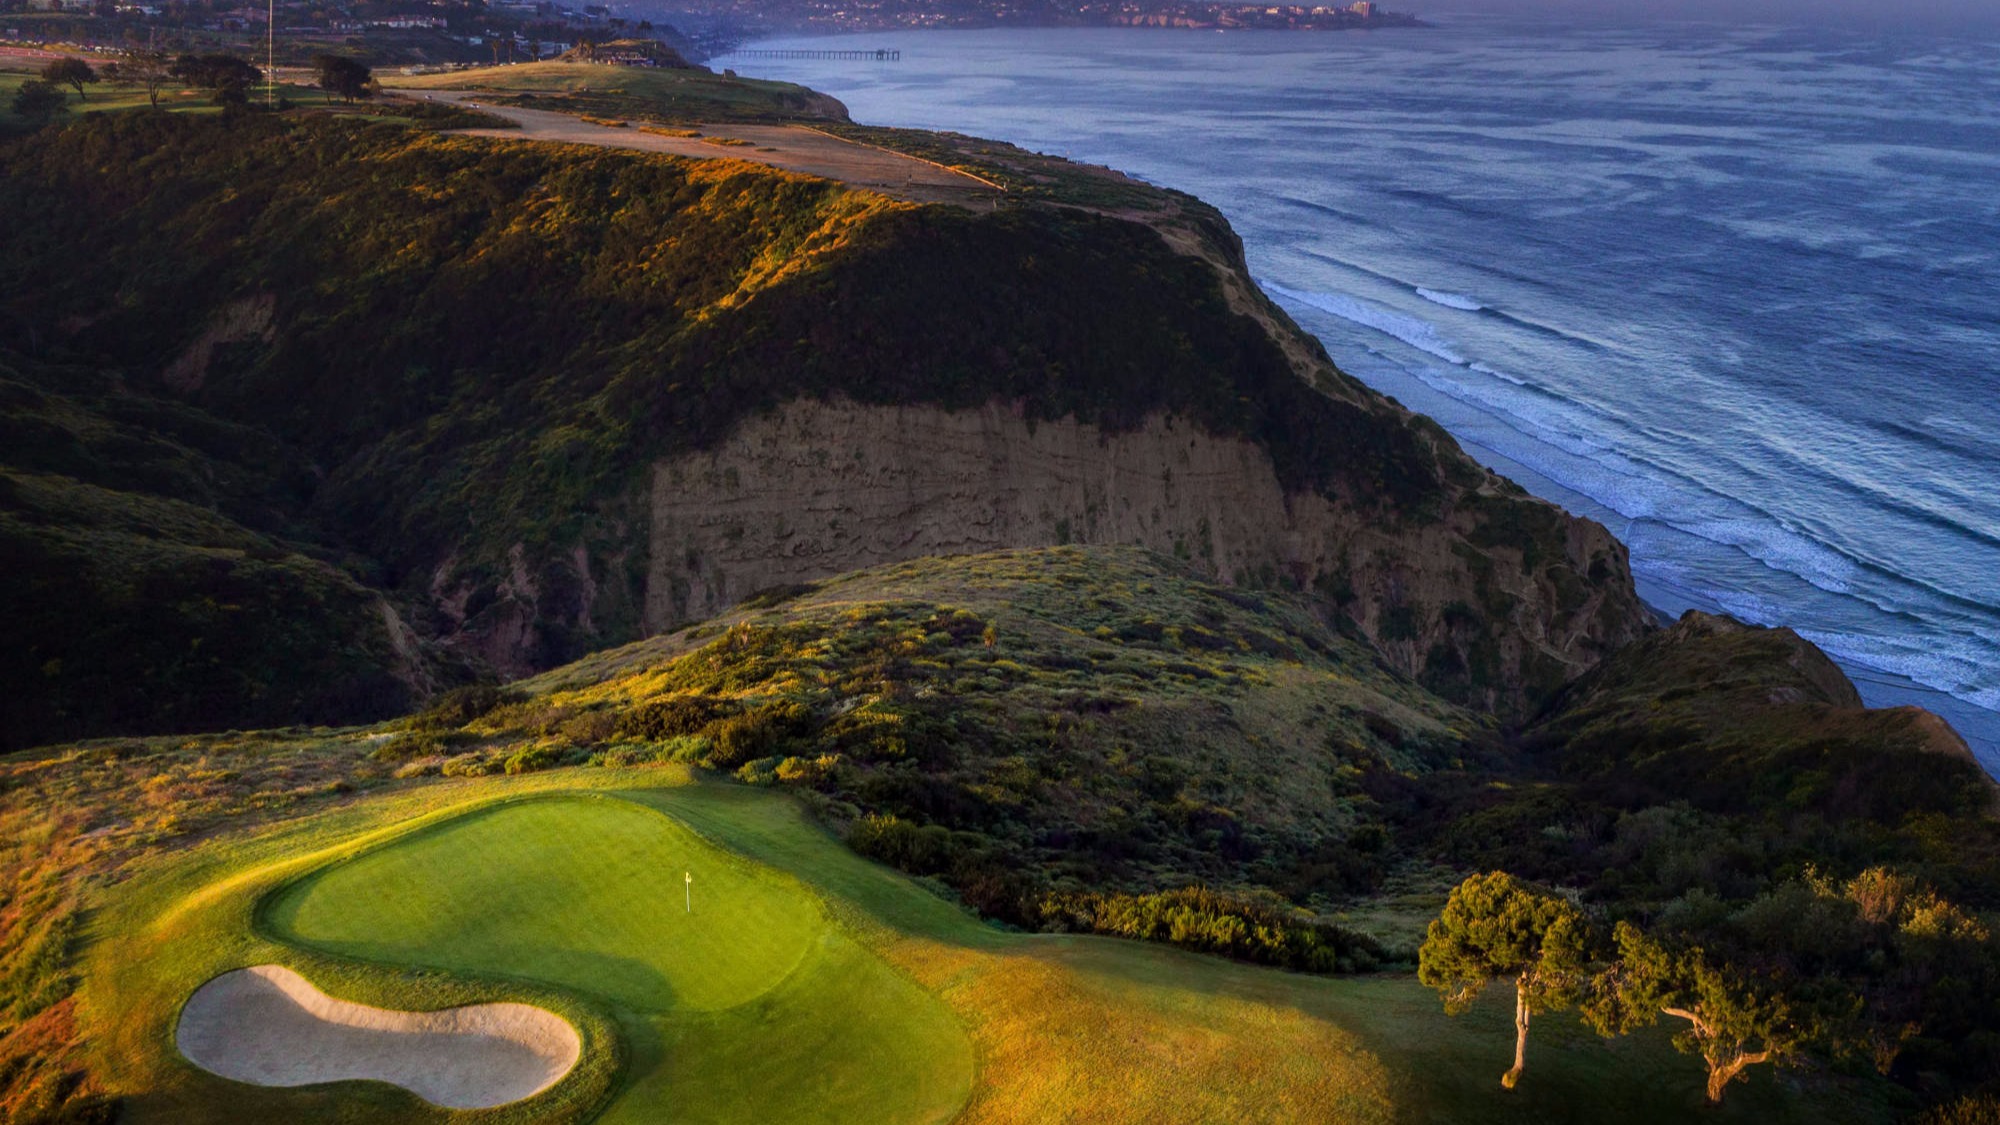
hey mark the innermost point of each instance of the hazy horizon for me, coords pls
(1929, 15)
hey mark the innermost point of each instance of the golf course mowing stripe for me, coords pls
(580, 891)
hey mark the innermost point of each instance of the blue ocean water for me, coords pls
(1733, 291)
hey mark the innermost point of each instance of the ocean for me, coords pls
(1733, 291)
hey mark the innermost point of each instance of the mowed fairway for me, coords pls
(749, 1007)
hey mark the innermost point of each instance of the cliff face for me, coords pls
(548, 399)
(818, 488)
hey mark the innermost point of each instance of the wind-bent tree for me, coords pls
(1494, 927)
(341, 75)
(69, 72)
(1736, 1019)
(148, 70)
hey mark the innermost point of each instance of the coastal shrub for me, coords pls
(415, 744)
(687, 749)
(1977, 1109)
(589, 728)
(540, 756)
(806, 771)
(462, 705)
(467, 765)
(879, 732)
(672, 717)
(1263, 931)
(919, 850)
(761, 732)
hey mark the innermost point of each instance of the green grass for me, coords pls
(583, 893)
(572, 902)
(104, 97)
(901, 1007)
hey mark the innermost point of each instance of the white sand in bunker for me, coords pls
(268, 1025)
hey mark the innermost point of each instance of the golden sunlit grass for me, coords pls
(603, 91)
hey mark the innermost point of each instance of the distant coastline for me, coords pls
(739, 23)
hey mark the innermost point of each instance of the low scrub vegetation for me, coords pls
(1267, 931)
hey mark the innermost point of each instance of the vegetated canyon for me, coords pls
(1029, 544)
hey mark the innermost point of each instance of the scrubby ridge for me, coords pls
(476, 354)
(1020, 724)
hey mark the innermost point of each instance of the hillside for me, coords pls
(509, 395)
(1054, 736)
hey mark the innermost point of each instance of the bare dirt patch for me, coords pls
(794, 148)
(269, 1026)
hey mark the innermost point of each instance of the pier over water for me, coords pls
(843, 56)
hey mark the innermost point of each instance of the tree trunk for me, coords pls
(1513, 1076)
(1721, 1072)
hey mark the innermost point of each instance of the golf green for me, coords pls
(587, 892)
(739, 998)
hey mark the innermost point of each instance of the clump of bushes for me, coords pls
(1247, 929)
(673, 717)
(690, 748)
(418, 744)
(766, 731)
(462, 705)
(1979, 1109)
(467, 765)
(918, 849)
(790, 770)
(540, 756)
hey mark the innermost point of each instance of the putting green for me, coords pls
(584, 892)
(753, 1006)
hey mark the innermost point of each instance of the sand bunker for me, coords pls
(270, 1026)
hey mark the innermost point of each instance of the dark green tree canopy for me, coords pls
(37, 101)
(1736, 1017)
(341, 75)
(227, 75)
(71, 72)
(1496, 926)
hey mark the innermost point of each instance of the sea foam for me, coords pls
(1419, 334)
(1449, 300)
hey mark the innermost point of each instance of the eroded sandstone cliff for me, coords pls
(819, 488)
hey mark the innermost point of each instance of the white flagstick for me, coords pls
(690, 891)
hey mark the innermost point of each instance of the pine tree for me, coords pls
(1496, 927)
(1736, 1019)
